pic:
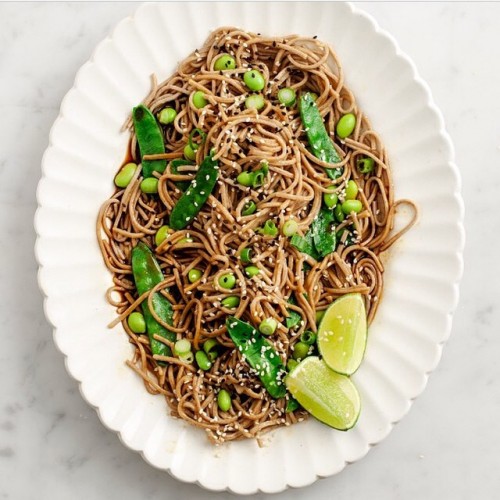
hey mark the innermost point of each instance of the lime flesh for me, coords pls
(342, 334)
(328, 396)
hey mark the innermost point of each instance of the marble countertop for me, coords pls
(52, 445)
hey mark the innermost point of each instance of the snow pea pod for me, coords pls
(174, 167)
(192, 201)
(259, 354)
(323, 236)
(321, 144)
(147, 274)
(150, 139)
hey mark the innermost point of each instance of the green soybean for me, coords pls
(351, 190)
(252, 271)
(255, 101)
(149, 185)
(224, 62)
(338, 213)
(352, 206)
(210, 345)
(249, 208)
(300, 351)
(199, 99)
(124, 176)
(224, 400)
(194, 275)
(167, 116)
(161, 235)
(136, 322)
(291, 364)
(330, 199)
(227, 281)
(189, 152)
(346, 125)
(254, 80)
(231, 302)
(202, 360)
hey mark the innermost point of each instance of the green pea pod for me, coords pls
(147, 274)
(319, 140)
(259, 354)
(304, 244)
(192, 201)
(323, 236)
(174, 166)
(292, 405)
(150, 139)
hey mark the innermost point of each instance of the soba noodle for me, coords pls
(296, 182)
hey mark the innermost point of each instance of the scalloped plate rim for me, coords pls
(430, 104)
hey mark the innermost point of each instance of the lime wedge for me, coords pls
(329, 396)
(342, 334)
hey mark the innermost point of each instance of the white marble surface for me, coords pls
(52, 444)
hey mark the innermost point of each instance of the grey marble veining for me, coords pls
(52, 444)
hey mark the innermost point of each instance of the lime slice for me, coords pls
(325, 394)
(342, 334)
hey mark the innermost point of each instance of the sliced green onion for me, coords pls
(268, 229)
(195, 146)
(188, 357)
(365, 165)
(287, 96)
(290, 227)
(249, 208)
(255, 101)
(246, 255)
(258, 179)
(268, 326)
(308, 337)
(182, 346)
(209, 345)
(300, 243)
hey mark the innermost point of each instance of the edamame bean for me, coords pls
(346, 125)
(338, 213)
(300, 351)
(330, 199)
(199, 99)
(254, 80)
(227, 281)
(136, 322)
(202, 360)
(161, 235)
(351, 190)
(352, 206)
(255, 101)
(252, 271)
(231, 302)
(149, 185)
(167, 116)
(194, 275)
(224, 400)
(291, 364)
(245, 179)
(124, 176)
(224, 62)
(189, 152)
